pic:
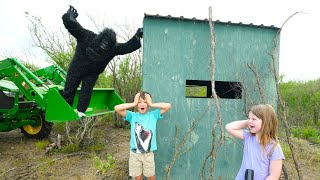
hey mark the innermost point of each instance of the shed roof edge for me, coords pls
(206, 20)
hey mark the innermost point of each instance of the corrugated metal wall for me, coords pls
(178, 50)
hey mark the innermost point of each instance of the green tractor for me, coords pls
(32, 101)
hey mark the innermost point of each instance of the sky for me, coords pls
(299, 41)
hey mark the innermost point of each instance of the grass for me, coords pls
(309, 133)
(41, 144)
(70, 148)
(105, 158)
(307, 156)
(306, 146)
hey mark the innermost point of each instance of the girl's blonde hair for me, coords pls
(269, 126)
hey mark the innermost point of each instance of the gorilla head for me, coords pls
(101, 45)
(106, 39)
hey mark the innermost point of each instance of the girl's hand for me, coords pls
(136, 99)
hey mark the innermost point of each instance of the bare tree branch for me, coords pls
(256, 75)
(214, 150)
(281, 102)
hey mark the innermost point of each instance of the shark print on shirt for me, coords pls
(143, 139)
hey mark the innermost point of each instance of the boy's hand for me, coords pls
(149, 99)
(136, 99)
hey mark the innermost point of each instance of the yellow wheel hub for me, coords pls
(33, 129)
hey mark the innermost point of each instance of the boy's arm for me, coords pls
(235, 128)
(164, 107)
(121, 108)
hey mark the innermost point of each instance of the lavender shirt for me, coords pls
(254, 158)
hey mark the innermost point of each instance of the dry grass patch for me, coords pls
(23, 158)
(308, 157)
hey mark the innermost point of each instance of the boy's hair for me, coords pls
(143, 94)
(269, 126)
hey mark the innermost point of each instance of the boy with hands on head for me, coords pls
(143, 133)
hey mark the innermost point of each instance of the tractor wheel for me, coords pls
(37, 132)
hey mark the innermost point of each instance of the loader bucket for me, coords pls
(102, 102)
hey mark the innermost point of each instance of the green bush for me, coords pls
(41, 144)
(309, 133)
(315, 139)
(310, 123)
(70, 148)
(286, 150)
(297, 132)
(104, 165)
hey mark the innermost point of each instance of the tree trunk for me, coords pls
(315, 116)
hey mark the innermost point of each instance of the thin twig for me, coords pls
(283, 105)
(256, 75)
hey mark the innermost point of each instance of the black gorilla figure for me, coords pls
(93, 53)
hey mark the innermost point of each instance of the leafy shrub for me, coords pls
(309, 133)
(297, 132)
(70, 148)
(286, 150)
(310, 123)
(41, 144)
(315, 139)
(104, 165)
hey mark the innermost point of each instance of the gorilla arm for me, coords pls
(131, 45)
(72, 25)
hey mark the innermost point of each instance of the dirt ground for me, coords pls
(21, 158)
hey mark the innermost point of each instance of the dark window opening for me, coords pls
(224, 89)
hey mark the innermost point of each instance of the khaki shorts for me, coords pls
(141, 164)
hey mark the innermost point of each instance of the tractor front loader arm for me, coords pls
(11, 69)
(53, 75)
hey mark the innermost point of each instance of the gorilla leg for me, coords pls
(86, 91)
(70, 88)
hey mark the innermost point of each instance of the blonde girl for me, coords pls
(262, 152)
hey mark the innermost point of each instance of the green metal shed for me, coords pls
(177, 69)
